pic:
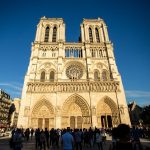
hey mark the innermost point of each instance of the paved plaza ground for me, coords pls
(30, 145)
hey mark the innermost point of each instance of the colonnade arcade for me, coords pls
(75, 112)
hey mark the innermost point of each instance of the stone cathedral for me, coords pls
(70, 84)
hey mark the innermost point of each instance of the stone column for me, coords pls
(106, 121)
(101, 34)
(58, 118)
(106, 33)
(75, 121)
(100, 122)
(50, 33)
(43, 124)
(58, 122)
(63, 33)
(83, 52)
(42, 35)
(94, 34)
(38, 33)
(94, 118)
(58, 33)
(86, 33)
(82, 33)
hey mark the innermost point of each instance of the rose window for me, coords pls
(74, 72)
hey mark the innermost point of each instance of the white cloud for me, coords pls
(137, 94)
(14, 89)
(17, 84)
(11, 85)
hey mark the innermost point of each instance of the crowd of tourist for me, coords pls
(123, 138)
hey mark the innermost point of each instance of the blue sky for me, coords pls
(128, 24)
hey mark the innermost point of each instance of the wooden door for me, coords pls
(40, 123)
(47, 123)
(79, 122)
(72, 122)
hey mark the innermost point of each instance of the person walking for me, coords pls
(27, 133)
(32, 132)
(67, 140)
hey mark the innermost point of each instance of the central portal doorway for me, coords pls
(75, 122)
(75, 113)
(106, 121)
(45, 123)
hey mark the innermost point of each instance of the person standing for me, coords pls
(17, 140)
(37, 138)
(47, 137)
(98, 138)
(123, 138)
(42, 140)
(135, 134)
(67, 140)
(78, 139)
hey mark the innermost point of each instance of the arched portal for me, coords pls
(107, 113)
(75, 113)
(42, 115)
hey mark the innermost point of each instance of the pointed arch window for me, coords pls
(42, 76)
(90, 35)
(97, 35)
(96, 75)
(51, 77)
(104, 75)
(46, 34)
(54, 34)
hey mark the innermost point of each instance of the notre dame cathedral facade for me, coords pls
(72, 84)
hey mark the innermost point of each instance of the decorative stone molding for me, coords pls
(46, 87)
(93, 110)
(42, 108)
(47, 66)
(100, 66)
(86, 120)
(102, 47)
(75, 99)
(74, 72)
(58, 110)
(73, 47)
(26, 111)
(98, 52)
(48, 47)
